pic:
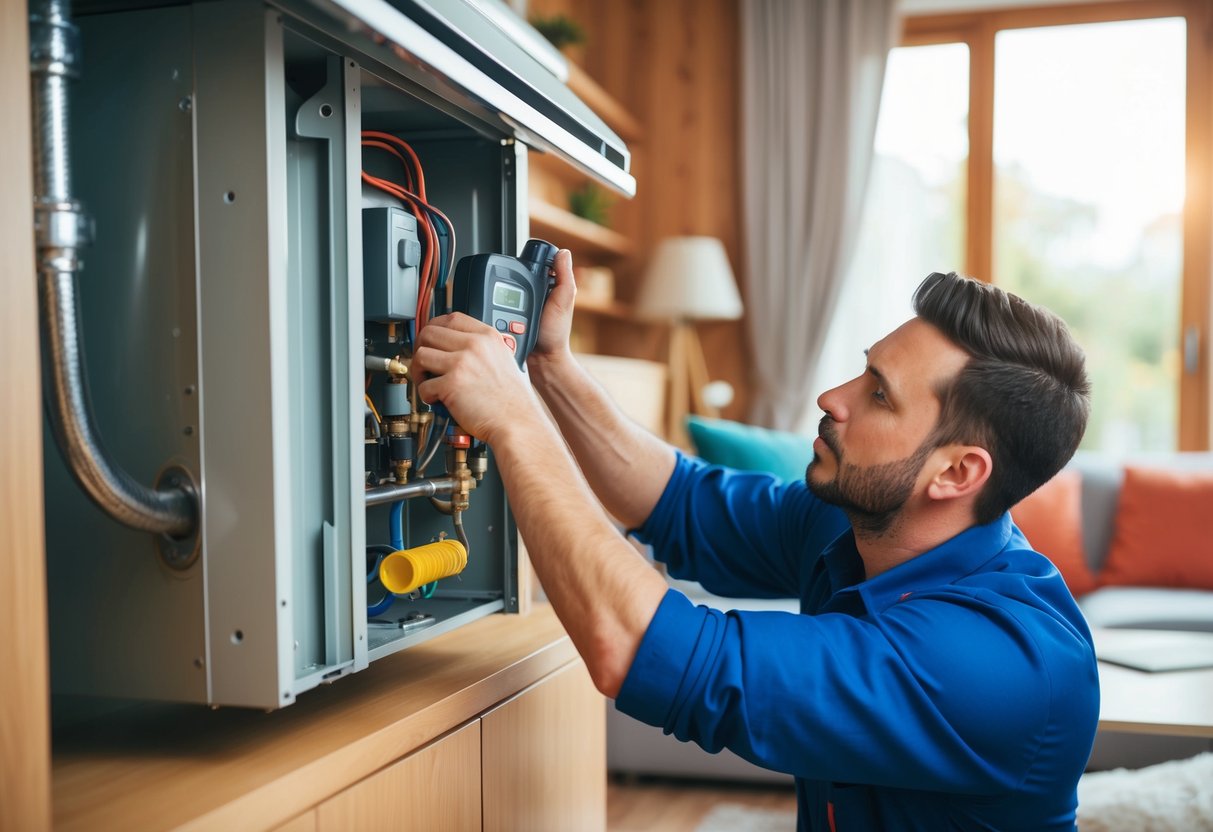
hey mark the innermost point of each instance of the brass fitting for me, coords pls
(458, 443)
(419, 421)
(392, 366)
(401, 468)
(397, 367)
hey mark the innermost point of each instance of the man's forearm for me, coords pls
(603, 591)
(625, 465)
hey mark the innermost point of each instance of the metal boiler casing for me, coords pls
(217, 145)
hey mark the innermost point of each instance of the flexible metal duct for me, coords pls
(61, 229)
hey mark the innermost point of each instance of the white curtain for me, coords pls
(811, 77)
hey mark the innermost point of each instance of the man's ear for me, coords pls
(962, 473)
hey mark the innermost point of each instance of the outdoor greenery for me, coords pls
(1125, 317)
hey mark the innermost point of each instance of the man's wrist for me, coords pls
(546, 367)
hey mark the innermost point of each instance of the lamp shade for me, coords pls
(689, 278)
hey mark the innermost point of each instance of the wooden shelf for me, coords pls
(602, 103)
(568, 230)
(607, 309)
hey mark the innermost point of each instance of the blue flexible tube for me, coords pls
(395, 525)
(382, 606)
(380, 551)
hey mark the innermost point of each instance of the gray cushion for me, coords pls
(1149, 608)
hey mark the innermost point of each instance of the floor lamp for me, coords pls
(687, 280)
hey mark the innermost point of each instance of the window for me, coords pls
(914, 209)
(1049, 154)
(1088, 201)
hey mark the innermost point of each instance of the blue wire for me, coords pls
(385, 602)
(395, 525)
(382, 606)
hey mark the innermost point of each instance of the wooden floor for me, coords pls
(661, 805)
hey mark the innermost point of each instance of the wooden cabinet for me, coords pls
(494, 725)
(534, 762)
(543, 753)
(436, 789)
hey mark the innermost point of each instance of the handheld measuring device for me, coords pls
(507, 293)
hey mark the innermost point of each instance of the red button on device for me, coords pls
(517, 327)
(510, 342)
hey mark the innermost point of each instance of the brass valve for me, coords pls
(459, 442)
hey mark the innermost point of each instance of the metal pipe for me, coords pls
(407, 491)
(460, 532)
(61, 229)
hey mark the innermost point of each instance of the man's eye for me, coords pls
(879, 396)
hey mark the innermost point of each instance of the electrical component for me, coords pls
(391, 255)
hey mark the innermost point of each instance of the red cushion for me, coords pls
(1162, 533)
(1051, 519)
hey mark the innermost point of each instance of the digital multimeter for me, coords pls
(507, 293)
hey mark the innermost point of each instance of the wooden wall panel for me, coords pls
(676, 66)
(24, 713)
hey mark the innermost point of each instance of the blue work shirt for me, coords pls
(957, 690)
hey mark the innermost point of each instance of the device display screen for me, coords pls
(508, 296)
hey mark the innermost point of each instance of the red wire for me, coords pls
(428, 271)
(421, 208)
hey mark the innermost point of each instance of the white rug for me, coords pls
(1169, 797)
(733, 817)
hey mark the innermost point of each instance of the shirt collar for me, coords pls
(945, 564)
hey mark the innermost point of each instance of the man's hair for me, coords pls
(1024, 395)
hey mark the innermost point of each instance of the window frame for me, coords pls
(977, 29)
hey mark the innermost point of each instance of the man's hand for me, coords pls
(466, 365)
(557, 321)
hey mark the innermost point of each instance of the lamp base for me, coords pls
(688, 378)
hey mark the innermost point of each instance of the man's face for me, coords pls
(872, 443)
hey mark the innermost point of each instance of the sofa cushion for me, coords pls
(1051, 518)
(1161, 534)
(1144, 608)
(751, 448)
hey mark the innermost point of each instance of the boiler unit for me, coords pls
(246, 211)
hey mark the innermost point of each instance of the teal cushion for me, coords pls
(751, 448)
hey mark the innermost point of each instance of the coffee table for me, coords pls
(1175, 702)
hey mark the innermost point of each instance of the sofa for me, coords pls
(1079, 519)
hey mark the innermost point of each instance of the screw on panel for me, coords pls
(186, 104)
(198, 663)
(237, 636)
(229, 197)
(189, 389)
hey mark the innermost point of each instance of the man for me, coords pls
(940, 675)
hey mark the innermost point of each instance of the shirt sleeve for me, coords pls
(944, 694)
(742, 534)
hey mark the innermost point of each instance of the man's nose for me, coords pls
(833, 403)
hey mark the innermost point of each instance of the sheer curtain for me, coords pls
(811, 77)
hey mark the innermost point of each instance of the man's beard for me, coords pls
(873, 496)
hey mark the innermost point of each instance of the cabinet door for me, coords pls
(544, 757)
(436, 789)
